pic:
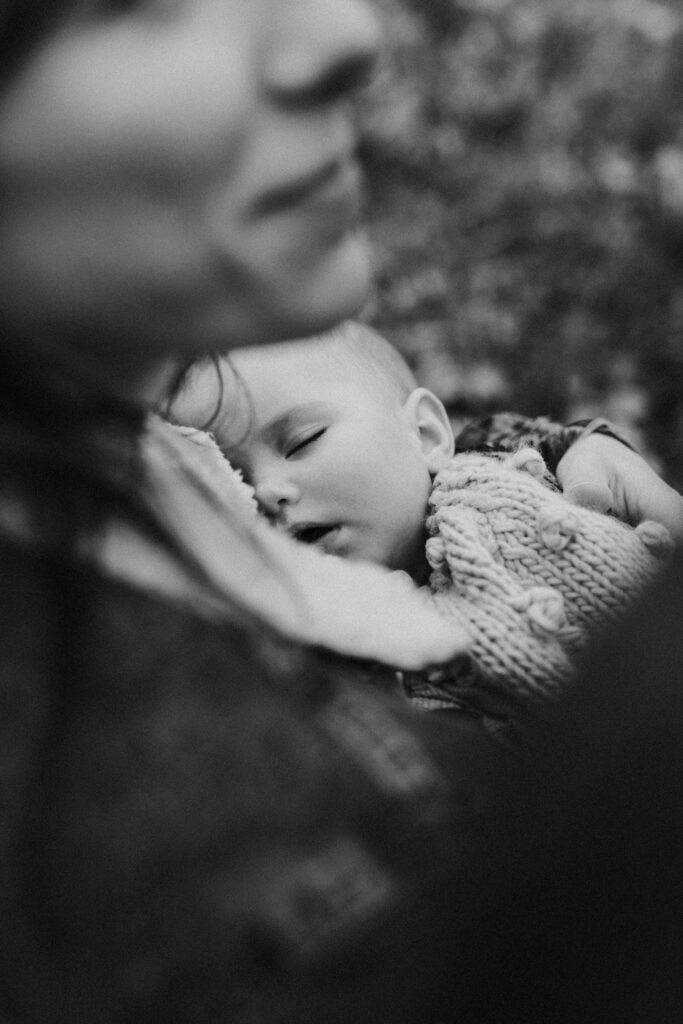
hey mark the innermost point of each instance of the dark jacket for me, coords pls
(203, 825)
(587, 923)
(194, 831)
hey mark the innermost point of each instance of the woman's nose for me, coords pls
(274, 494)
(327, 49)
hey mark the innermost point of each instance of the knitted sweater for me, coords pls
(531, 577)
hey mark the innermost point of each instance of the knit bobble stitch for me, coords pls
(557, 528)
(656, 538)
(435, 550)
(530, 576)
(529, 461)
(544, 608)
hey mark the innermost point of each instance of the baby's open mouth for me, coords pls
(311, 534)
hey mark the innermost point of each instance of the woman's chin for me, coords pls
(335, 289)
(308, 294)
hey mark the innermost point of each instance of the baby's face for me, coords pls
(333, 460)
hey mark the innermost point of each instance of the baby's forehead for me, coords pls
(291, 359)
(302, 374)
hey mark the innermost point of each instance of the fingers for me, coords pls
(590, 494)
(665, 505)
(587, 471)
(601, 473)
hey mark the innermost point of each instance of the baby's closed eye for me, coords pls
(301, 441)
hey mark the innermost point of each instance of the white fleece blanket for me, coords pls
(352, 608)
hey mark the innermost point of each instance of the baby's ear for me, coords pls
(427, 416)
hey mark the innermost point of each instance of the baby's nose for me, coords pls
(275, 494)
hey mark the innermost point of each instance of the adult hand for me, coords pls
(602, 473)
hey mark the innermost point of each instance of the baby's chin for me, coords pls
(336, 539)
(344, 543)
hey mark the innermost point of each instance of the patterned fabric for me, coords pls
(508, 431)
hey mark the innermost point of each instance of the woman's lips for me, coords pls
(336, 183)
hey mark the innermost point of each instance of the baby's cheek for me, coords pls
(360, 485)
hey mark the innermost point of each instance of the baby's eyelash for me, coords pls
(304, 441)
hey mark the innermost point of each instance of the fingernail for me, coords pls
(590, 495)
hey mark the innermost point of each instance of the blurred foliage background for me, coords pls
(525, 168)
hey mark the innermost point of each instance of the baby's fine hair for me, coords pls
(353, 344)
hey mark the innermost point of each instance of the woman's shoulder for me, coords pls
(26, 608)
(189, 763)
(54, 607)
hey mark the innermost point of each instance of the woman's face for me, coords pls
(181, 176)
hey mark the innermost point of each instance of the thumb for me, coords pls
(663, 504)
(589, 493)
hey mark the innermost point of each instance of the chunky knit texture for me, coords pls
(532, 576)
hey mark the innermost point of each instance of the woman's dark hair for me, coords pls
(23, 23)
(183, 376)
(66, 443)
